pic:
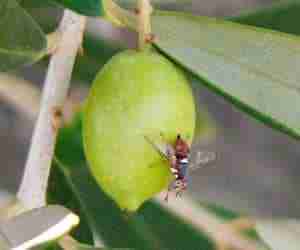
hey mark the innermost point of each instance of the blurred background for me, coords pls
(256, 171)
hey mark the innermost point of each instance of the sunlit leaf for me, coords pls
(21, 39)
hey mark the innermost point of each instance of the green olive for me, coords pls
(134, 95)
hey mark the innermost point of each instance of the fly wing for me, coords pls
(163, 148)
(206, 128)
(202, 159)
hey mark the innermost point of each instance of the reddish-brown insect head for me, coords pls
(182, 149)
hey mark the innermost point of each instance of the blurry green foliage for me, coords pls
(22, 41)
(281, 16)
(84, 7)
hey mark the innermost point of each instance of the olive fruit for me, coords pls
(134, 95)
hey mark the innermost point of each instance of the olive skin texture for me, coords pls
(136, 94)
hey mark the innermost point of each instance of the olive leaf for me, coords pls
(21, 39)
(155, 3)
(35, 4)
(68, 243)
(84, 7)
(282, 16)
(95, 7)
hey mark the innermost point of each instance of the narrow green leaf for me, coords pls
(155, 3)
(97, 49)
(40, 12)
(254, 68)
(68, 243)
(35, 4)
(49, 246)
(84, 7)
(283, 17)
(21, 39)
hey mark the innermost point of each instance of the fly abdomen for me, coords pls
(183, 166)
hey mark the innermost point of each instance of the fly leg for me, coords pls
(181, 188)
(179, 193)
(170, 187)
(167, 195)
